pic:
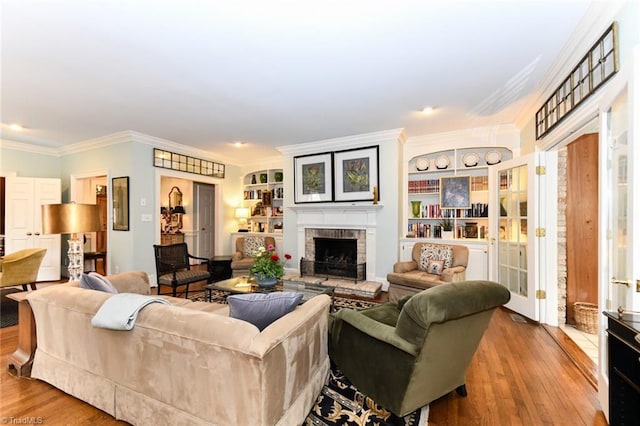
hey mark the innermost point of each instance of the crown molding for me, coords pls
(485, 135)
(26, 147)
(168, 145)
(124, 136)
(347, 142)
(596, 20)
(100, 142)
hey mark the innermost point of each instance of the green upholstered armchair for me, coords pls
(21, 267)
(404, 356)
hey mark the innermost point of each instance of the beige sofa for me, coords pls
(409, 278)
(187, 363)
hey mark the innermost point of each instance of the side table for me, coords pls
(220, 268)
(21, 360)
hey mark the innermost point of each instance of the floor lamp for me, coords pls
(71, 219)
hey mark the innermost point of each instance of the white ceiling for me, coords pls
(271, 73)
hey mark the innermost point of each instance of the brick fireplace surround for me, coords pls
(357, 222)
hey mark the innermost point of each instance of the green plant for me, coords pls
(446, 224)
(267, 263)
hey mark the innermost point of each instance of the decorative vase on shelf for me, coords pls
(253, 179)
(266, 282)
(447, 235)
(415, 208)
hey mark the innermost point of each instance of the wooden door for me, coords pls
(582, 222)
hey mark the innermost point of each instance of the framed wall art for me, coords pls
(454, 192)
(120, 191)
(312, 179)
(356, 174)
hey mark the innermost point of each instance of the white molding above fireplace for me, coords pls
(332, 216)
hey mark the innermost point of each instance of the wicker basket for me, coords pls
(586, 317)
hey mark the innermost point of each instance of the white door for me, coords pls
(512, 246)
(205, 220)
(24, 199)
(619, 250)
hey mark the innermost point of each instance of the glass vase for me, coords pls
(416, 207)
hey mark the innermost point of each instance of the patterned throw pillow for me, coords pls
(252, 244)
(435, 267)
(435, 252)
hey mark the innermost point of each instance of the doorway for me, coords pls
(93, 189)
(204, 205)
(582, 223)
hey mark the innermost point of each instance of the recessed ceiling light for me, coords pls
(427, 110)
(238, 144)
(17, 127)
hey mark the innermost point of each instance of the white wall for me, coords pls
(390, 149)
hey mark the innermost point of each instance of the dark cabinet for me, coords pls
(623, 346)
(220, 268)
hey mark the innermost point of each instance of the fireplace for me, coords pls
(338, 253)
(329, 221)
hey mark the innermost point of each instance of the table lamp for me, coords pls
(71, 219)
(242, 214)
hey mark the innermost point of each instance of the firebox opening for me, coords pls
(339, 251)
(334, 257)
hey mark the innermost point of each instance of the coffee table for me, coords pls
(244, 285)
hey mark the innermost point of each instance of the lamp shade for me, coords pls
(179, 210)
(242, 213)
(70, 218)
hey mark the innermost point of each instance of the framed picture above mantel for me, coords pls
(339, 176)
(313, 178)
(356, 174)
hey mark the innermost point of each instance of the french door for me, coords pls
(619, 278)
(512, 247)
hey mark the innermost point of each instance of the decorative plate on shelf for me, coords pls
(422, 164)
(470, 159)
(442, 162)
(493, 157)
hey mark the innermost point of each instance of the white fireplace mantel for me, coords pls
(340, 216)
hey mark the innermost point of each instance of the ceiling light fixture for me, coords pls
(238, 144)
(16, 126)
(427, 110)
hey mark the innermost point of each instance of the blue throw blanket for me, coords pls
(119, 312)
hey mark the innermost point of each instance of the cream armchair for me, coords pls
(411, 277)
(21, 268)
(242, 258)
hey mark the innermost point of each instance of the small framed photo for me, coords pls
(267, 197)
(454, 192)
(312, 179)
(356, 174)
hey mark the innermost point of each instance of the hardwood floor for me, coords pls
(519, 376)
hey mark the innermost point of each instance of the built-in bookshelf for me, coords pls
(426, 212)
(263, 195)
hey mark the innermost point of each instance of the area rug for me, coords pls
(341, 403)
(8, 308)
(220, 296)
